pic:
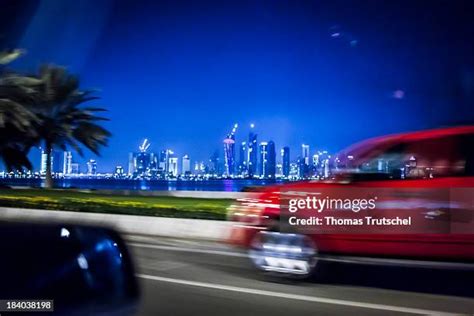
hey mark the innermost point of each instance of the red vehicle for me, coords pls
(439, 159)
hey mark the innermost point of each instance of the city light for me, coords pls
(252, 160)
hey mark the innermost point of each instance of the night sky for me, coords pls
(181, 73)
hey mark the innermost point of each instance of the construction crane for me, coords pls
(144, 146)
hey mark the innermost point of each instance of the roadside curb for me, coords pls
(126, 224)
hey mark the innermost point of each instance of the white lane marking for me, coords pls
(306, 298)
(206, 251)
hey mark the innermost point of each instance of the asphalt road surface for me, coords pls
(200, 278)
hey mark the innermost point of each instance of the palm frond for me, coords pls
(47, 108)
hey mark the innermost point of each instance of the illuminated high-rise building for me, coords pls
(166, 162)
(186, 165)
(315, 159)
(44, 159)
(271, 161)
(169, 159)
(304, 162)
(75, 168)
(132, 157)
(267, 166)
(199, 168)
(91, 167)
(153, 165)
(55, 162)
(321, 164)
(215, 167)
(162, 161)
(314, 168)
(243, 159)
(302, 168)
(173, 166)
(285, 160)
(279, 170)
(263, 159)
(294, 170)
(305, 154)
(229, 152)
(67, 161)
(142, 163)
(142, 159)
(252, 152)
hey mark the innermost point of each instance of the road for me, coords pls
(202, 278)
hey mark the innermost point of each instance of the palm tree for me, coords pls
(17, 134)
(63, 121)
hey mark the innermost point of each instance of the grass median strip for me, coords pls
(70, 200)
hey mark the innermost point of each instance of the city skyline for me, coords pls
(146, 143)
(277, 156)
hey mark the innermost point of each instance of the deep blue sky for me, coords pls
(181, 73)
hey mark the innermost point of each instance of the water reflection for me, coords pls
(227, 185)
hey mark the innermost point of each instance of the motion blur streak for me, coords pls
(170, 248)
(294, 296)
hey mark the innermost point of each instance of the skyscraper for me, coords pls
(315, 161)
(162, 162)
(267, 166)
(67, 161)
(321, 164)
(44, 160)
(167, 157)
(131, 163)
(305, 153)
(173, 166)
(252, 152)
(243, 159)
(215, 164)
(271, 160)
(304, 161)
(91, 167)
(153, 165)
(294, 169)
(199, 168)
(229, 152)
(263, 159)
(285, 158)
(55, 162)
(186, 165)
(142, 163)
(142, 159)
(279, 170)
(302, 168)
(75, 168)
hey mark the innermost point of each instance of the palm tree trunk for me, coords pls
(49, 177)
